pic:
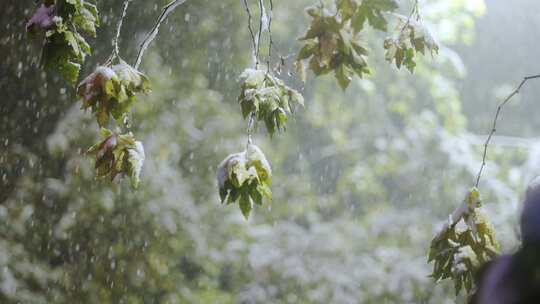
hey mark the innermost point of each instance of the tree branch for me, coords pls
(261, 14)
(463, 209)
(167, 9)
(252, 34)
(494, 125)
(270, 39)
(116, 49)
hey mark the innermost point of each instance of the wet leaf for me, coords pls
(460, 250)
(245, 176)
(118, 154)
(110, 91)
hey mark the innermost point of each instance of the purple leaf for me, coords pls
(42, 18)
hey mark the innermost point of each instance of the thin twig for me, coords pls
(167, 9)
(252, 34)
(116, 49)
(261, 14)
(463, 209)
(414, 11)
(494, 125)
(270, 40)
(251, 124)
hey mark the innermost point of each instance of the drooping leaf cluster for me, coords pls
(110, 90)
(267, 98)
(245, 177)
(118, 154)
(59, 23)
(358, 12)
(331, 43)
(413, 38)
(460, 250)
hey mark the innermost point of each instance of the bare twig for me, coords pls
(270, 40)
(252, 34)
(116, 49)
(261, 14)
(494, 125)
(167, 9)
(251, 125)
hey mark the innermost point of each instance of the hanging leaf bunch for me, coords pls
(118, 154)
(245, 177)
(267, 98)
(59, 23)
(413, 38)
(360, 12)
(331, 44)
(462, 247)
(111, 90)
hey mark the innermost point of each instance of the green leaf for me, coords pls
(86, 19)
(307, 50)
(372, 12)
(69, 70)
(344, 76)
(245, 205)
(136, 160)
(64, 49)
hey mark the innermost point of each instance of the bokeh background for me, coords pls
(362, 178)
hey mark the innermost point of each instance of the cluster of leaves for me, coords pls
(118, 154)
(245, 177)
(413, 38)
(110, 91)
(331, 40)
(462, 248)
(59, 24)
(361, 11)
(331, 47)
(267, 98)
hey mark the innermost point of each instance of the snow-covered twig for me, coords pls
(169, 8)
(116, 49)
